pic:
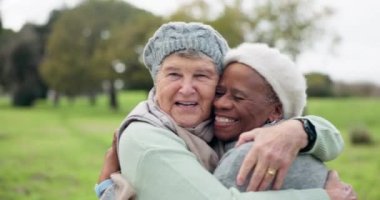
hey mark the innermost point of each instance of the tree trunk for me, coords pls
(92, 98)
(54, 97)
(113, 96)
(71, 99)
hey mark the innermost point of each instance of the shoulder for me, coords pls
(142, 146)
(306, 172)
(147, 135)
(229, 165)
(237, 153)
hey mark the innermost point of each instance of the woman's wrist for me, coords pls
(102, 186)
(110, 165)
(310, 132)
(298, 133)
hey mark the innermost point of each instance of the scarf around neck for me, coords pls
(196, 138)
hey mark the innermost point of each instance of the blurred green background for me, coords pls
(56, 153)
(66, 85)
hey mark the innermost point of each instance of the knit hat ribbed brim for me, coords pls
(177, 36)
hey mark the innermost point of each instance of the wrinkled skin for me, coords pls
(338, 190)
(185, 89)
(243, 103)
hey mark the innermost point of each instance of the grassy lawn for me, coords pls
(56, 153)
(358, 165)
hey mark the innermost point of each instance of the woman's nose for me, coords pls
(222, 103)
(187, 87)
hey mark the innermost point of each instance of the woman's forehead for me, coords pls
(175, 62)
(240, 77)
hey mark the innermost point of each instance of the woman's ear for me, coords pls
(277, 113)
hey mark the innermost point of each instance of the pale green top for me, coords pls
(159, 166)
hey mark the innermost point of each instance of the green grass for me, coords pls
(358, 165)
(56, 153)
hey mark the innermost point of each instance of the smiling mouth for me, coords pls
(224, 120)
(187, 104)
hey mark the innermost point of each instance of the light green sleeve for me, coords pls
(159, 166)
(329, 143)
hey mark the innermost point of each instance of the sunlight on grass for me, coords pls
(56, 153)
(358, 165)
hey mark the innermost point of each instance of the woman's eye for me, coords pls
(219, 93)
(201, 76)
(238, 98)
(173, 74)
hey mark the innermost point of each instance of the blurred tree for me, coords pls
(81, 50)
(1, 54)
(5, 36)
(291, 26)
(20, 57)
(45, 30)
(319, 85)
(229, 23)
(20, 73)
(357, 89)
(118, 57)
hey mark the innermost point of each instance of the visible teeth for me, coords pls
(224, 119)
(187, 103)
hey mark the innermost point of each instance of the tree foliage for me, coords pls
(319, 85)
(292, 26)
(88, 39)
(102, 40)
(125, 46)
(20, 56)
(20, 59)
(6, 38)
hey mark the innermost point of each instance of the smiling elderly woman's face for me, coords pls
(185, 88)
(244, 100)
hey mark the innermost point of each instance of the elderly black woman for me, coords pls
(261, 87)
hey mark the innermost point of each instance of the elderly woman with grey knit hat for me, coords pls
(163, 147)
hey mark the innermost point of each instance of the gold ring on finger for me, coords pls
(271, 171)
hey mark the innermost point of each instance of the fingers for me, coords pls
(246, 137)
(246, 167)
(269, 176)
(268, 171)
(333, 177)
(337, 189)
(353, 195)
(115, 136)
(115, 139)
(258, 176)
(280, 178)
(263, 174)
(350, 193)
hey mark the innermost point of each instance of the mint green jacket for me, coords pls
(159, 166)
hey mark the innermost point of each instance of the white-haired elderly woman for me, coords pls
(261, 87)
(164, 149)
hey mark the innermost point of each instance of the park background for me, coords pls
(66, 84)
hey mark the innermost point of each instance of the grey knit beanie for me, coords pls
(177, 36)
(278, 70)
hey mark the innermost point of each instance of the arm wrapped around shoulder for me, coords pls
(306, 171)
